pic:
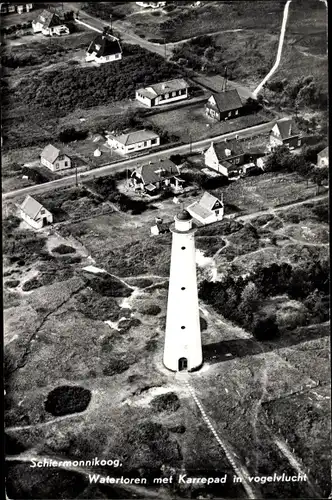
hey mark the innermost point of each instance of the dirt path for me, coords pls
(238, 468)
(279, 52)
(273, 210)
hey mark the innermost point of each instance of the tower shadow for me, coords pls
(226, 350)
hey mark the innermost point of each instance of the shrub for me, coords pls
(10, 223)
(71, 134)
(12, 283)
(31, 284)
(66, 399)
(150, 309)
(64, 249)
(265, 328)
(166, 402)
(107, 285)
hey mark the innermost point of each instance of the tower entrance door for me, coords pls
(183, 364)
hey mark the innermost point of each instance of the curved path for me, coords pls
(278, 58)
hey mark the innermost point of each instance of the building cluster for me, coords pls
(15, 7)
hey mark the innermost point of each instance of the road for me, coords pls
(280, 46)
(133, 162)
(164, 50)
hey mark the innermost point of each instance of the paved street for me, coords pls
(122, 165)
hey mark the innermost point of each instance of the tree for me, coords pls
(209, 53)
(265, 328)
(280, 159)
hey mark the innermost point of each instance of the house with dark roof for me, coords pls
(283, 134)
(160, 227)
(323, 158)
(154, 176)
(163, 93)
(54, 159)
(223, 105)
(104, 48)
(49, 23)
(226, 158)
(133, 141)
(15, 7)
(207, 210)
(32, 212)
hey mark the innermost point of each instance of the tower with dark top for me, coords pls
(183, 345)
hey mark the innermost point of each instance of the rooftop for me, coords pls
(50, 153)
(48, 19)
(135, 137)
(31, 207)
(105, 45)
(228, 100)
(285, 126)
(154, 172)
(165, 87)
(232, 145)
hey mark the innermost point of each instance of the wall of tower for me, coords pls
(183, 336)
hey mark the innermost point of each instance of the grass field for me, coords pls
(191, 123)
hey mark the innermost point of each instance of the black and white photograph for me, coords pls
(165, 255)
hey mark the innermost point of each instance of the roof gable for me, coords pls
(324, 153)
(48, 19)
(50, 153)
(169, 86)
(136, 137)
(105, 45)
(232, 145)
(227, 101)
(155, 172)
(208, 201)
(31, 207)
(285, 128)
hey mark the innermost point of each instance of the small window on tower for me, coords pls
(183, 248)
(183, 288)
(183, 327)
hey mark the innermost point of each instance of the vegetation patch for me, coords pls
(64, 249)
(12, 283)
(107, 285)
(149, 309)
(166, 402)
(96, 306)
(67, 399)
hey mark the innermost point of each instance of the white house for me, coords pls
(52, 158)
(32, 212)
(49, 24)
(226, 158)
(163, 93)
(104, 48)
(134, 141)
(209, 209)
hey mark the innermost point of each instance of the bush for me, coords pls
(12, 283)
(64, 249)
(107, 285)
(10, 223)
(67, 399)
(265, 328)
(166, 402)
(150, 309)
(31, 284)
(71, 134)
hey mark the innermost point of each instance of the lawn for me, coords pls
(191, 123)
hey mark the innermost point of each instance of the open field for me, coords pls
(186, 22)
(191, 123)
